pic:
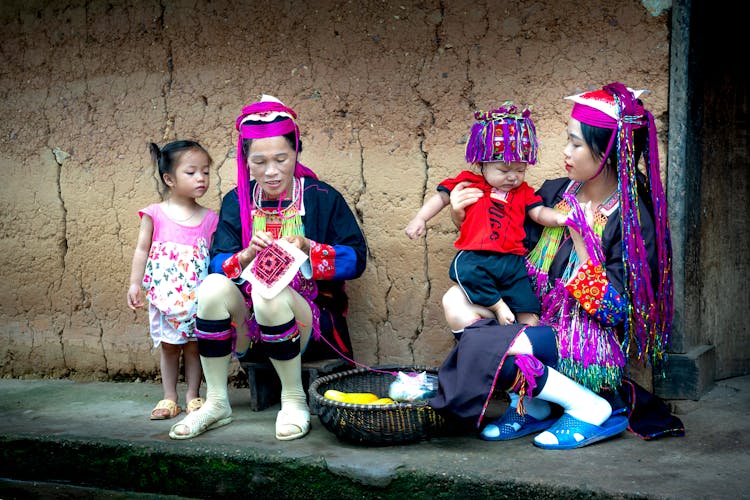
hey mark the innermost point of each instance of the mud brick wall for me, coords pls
(385, 93)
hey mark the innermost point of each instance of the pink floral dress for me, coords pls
(177, 263)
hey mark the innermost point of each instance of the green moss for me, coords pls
(229, 472)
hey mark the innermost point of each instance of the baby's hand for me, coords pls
(562, 219)
(504, 315)
(416, 228)
(135, 297)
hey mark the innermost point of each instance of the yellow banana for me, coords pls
(360, 398)
(383, 401)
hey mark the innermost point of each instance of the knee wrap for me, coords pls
(520, 373)
(214, 337)
(507, 375)
(281, 342)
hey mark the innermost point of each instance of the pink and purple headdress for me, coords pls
(257, 121)
(504, 134)
(617, 107)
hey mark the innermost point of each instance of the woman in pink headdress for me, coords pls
(604, 281)
(248, 306)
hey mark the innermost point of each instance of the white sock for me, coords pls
(290, 374)
(535, 407)
(216, 371)
(514, 398)
(577, 400)
(216, 407)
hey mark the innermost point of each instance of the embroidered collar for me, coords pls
(606, 208)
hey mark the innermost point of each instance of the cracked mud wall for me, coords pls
(385, 93)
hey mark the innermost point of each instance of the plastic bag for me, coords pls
(410, 387)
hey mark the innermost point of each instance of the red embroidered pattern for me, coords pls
(323, 260)
(231, 267)
(588, 286)
(271, 263)
(274, 227)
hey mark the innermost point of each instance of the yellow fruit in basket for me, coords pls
(383, 401)
(335, 395)
(359, 398)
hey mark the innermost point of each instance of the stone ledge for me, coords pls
(688, 375)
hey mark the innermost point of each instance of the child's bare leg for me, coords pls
(193, 370)
(459, 312)
(169, 356)
(503, 313)
(530, 319)
(170, 366)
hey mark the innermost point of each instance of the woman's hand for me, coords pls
(260, 240)
(462, 197)
(300, 242)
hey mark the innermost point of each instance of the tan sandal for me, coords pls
(194, 404)
(164, 409)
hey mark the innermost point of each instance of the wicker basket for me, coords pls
(398, 423)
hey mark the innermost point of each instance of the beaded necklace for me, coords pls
(589, 351)
(290, 220)
(539, 260)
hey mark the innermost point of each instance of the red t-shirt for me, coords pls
(495, 222)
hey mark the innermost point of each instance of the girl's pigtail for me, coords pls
(155, 154)
(157, 157)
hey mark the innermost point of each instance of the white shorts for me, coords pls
(162, 331)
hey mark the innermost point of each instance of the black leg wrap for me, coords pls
(507, 375)
(282, 351)
(285, 348)
(213, 325)
(214, 348)
(541, 380)
(211, 348)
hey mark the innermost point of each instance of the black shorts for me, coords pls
(487, 277)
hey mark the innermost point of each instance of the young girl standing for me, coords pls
(170, 260)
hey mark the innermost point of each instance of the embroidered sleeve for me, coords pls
(231, 267)
(323, 261)
(333, 262)
(590, 287)
(217, 262)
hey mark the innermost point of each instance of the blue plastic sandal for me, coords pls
(511, 425)
(567, 427)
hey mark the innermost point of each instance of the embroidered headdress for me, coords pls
(618, 108)
(257, 121)
(503, 134)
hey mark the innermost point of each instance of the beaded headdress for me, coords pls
(257, 121)
(504, 134)
(618, 108)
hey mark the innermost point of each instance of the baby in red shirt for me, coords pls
(489, 266)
